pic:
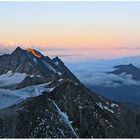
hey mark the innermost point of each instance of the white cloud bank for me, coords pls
(95, 72)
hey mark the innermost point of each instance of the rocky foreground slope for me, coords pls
(62, 107)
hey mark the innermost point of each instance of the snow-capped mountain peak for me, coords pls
(41, 98)
(36, 67)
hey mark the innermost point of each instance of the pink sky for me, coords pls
(99, 26)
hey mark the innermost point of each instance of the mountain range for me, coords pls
(41, 98)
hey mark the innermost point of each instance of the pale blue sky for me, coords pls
(70, 24)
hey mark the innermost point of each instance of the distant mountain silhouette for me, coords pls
(128, 69)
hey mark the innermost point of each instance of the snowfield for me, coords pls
(10, 78)
(9, 98)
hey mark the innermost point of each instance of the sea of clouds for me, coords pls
(96, 72)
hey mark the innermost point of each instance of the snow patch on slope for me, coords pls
(35, 90)
(107, 107)
(51, 68)
(100, 105)
(114, 105)
(9, 98)
(10, 78)
(65, 118)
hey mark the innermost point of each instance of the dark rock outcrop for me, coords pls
(69, 111)
(38, 70)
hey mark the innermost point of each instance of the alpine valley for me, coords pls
(41, 98)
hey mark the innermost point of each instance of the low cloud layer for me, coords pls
(95, 73)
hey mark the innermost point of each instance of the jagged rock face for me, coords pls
(62, 107)
(42, 121)
(37, 69)
(67, 74)
(69, 111)
(38, 117)
(88, 118)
